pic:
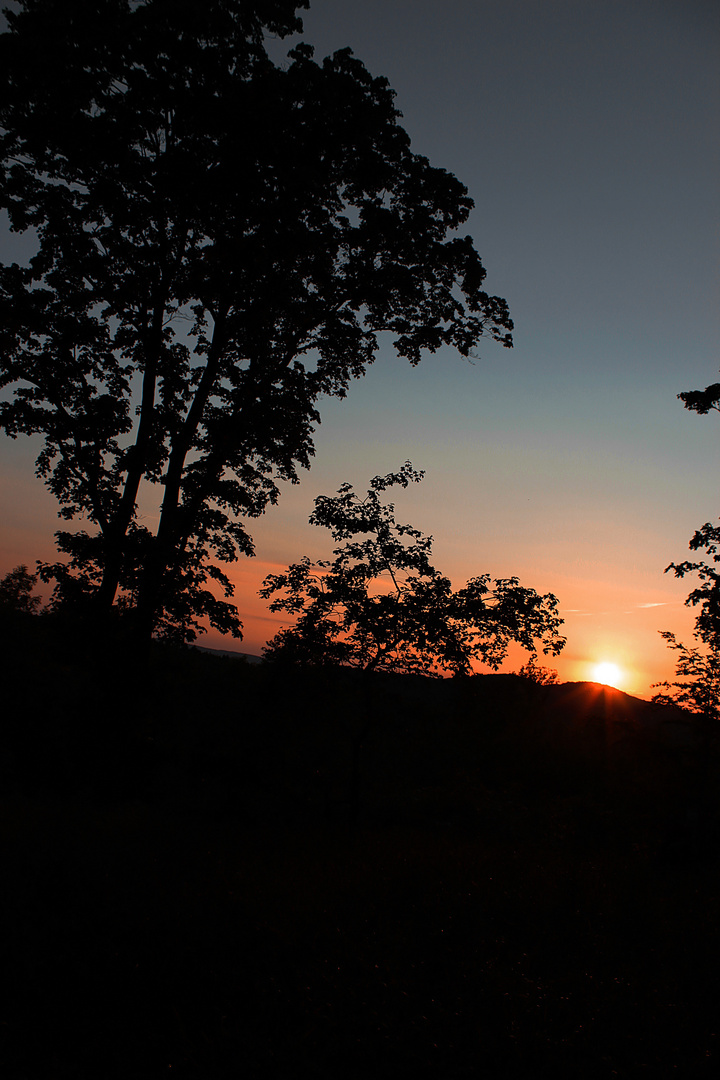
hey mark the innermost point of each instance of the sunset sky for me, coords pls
(587, 134)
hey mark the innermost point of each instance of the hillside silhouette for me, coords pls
(237, 869)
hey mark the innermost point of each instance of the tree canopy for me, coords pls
(707, 595)
(696, 685)
(702, 401)
(220, 241)
(380, 605)
(697, 671)
(16, 592)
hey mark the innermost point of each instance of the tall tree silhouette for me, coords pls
(697, 670)
(220, 241)
(380, 605)
(707, 595)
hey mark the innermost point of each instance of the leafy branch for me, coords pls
(348, 612)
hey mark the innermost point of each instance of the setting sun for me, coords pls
(609, 674)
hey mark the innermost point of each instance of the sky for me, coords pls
(586, 134)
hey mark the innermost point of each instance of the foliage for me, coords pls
(16, 591)
(220, 240)
(536, 673)
(379, 604)
(707, 595)
(697, 683)
(702, 401)
(697, 686)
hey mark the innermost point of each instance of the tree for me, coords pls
(16, 591)
(702, 401)
(380, 605)
(220, 242)
(697, 683)
(697, 679)
(707, 595)
(536, 673)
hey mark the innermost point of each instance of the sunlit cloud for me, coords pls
(661, 603)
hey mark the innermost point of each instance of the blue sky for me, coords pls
(587, 136)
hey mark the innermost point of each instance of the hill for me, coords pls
(233, 654)
(241, 870)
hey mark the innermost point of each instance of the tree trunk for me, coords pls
(116, 532)
(171, 539)
(149, 595)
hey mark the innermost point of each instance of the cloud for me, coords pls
(660, 604)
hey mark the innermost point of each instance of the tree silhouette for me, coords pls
(697, 682)
(16, 592)
(707, 595)
(380, 605)
(536, 673)
(220, 240)
(702, 401)
(697, 679)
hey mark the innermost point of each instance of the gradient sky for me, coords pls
(587, 134)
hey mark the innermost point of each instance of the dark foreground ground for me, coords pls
(203, 877)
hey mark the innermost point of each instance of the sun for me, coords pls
(609, 674)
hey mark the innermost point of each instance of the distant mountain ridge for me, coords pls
(554, 706)
(251, 658)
